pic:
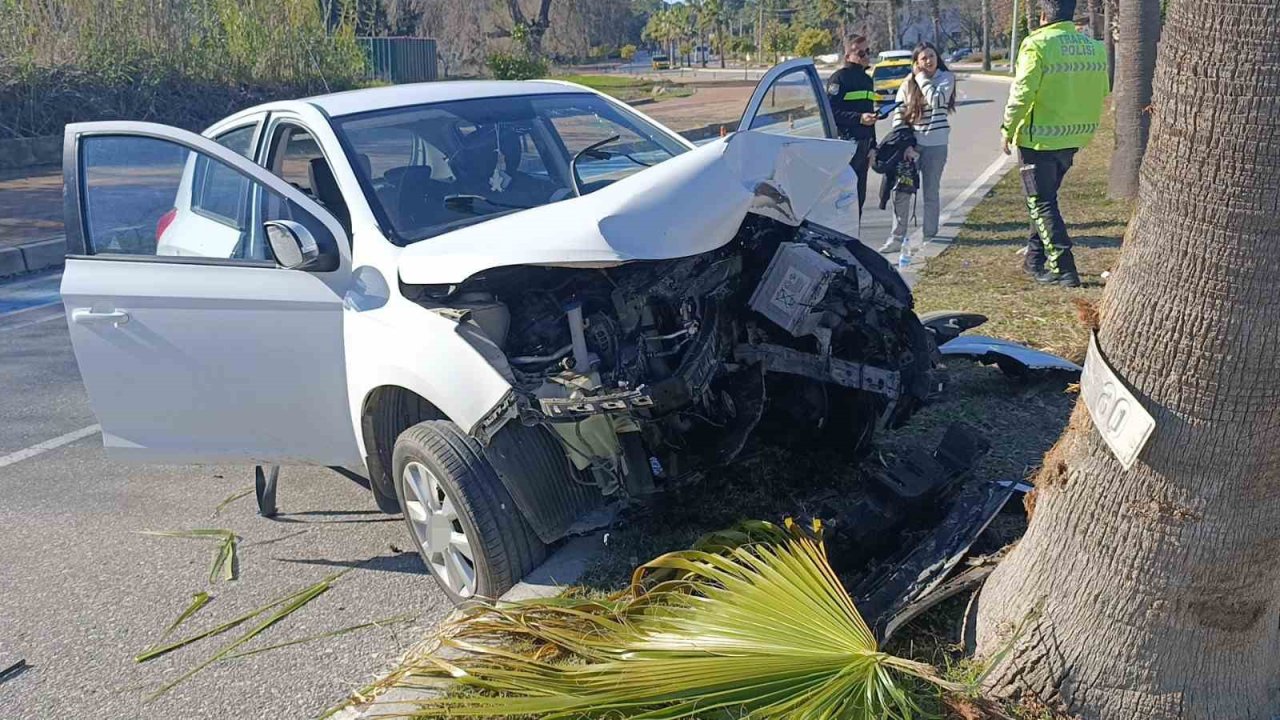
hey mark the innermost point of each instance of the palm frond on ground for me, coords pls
(750, 623)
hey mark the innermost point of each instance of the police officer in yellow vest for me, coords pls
(1053, 111)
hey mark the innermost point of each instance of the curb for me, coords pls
(33, 256)
(563, 568)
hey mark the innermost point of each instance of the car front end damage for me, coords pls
(651, 370)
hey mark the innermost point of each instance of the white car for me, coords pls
(506, 304)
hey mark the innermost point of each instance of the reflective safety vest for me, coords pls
(1058, 91)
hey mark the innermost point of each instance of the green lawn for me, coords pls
(627, 88)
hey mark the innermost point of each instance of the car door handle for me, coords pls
(84, 316)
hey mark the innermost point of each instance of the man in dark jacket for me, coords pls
(853, 100)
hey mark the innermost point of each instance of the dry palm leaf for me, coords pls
(750, 623)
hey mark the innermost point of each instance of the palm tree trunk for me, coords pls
(1135, 67)
(986, 35)
(1095, 19)
(1154, 592)
(1109, 38)
(892, 21)
(720, 41)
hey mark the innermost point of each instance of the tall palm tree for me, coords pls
(1153, 592)
(718, 14)
(1139, 28)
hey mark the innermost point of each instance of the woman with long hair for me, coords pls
(924, 101)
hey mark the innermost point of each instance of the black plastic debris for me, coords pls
(920, 472)
(947, 325)
(10, 669)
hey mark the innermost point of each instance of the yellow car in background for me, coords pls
(888, 76)
(660, 62)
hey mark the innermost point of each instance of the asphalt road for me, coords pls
(82, 591)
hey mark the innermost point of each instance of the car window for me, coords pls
(891, 72)
(624, 151)
(296, 156)
(137, 199)
(791, 107)
(240, 139)
(469, 160)
(218, 192)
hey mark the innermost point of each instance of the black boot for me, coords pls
(1065, 279)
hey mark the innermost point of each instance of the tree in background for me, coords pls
(527, 32)
(716, 12)
(627, 52)
(935, 13)
(1139, 30)
(812, 42)
(668, 27)
(778, 38)
(1154, 592)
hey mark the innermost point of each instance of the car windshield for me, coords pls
(891, 72)
(429, 169)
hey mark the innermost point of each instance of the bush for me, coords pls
(185, 64)
(813, 42)
(628, 52)
(506, 66)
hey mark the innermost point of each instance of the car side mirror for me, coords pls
(293, 244)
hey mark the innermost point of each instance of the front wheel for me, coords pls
(463, 522)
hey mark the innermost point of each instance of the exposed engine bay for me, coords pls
(651, 372)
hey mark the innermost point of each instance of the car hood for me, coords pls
(690, 204)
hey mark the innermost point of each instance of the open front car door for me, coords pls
(204, 300)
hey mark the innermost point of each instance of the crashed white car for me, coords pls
(505, 304)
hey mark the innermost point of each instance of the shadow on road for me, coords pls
(405, 562)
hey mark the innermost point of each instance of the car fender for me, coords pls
(429, 353)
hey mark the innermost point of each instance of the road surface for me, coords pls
(82, 591)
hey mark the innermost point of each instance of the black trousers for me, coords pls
(1048, 244)
(860, 163)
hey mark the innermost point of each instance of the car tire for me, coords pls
(470, 534)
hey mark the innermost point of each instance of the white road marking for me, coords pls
(30, 323)
(47, 445)
(6, 326)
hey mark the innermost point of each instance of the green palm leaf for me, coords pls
(750, 623)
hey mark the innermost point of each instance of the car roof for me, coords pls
(895, 53)
(893, 63)
(391, 96)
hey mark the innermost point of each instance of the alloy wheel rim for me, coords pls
(433, 516)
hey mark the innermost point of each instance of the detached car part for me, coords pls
(1012, 358)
